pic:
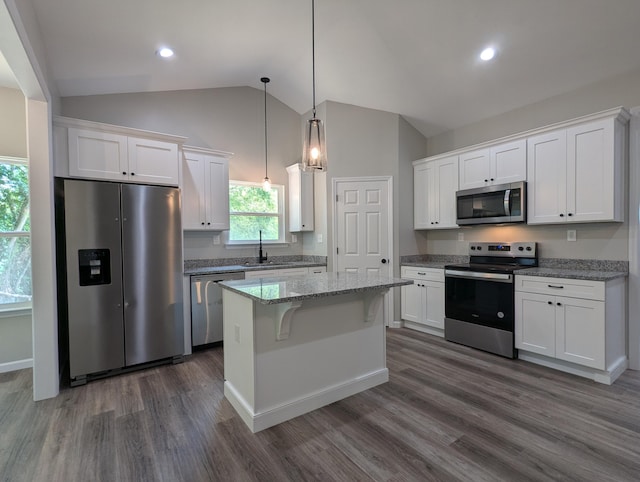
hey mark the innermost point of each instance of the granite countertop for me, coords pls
(237, 268)
(426, 264)
(583, 274)
(282, 289)
(584, 269)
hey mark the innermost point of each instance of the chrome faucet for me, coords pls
(260, 257)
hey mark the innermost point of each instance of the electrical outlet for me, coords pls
(571, 235)
(294, 238)
(216, 239)
(460, 236)
(319, 238)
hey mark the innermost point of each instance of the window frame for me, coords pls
(18, 307)
(279, 188)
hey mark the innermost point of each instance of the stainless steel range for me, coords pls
(479, 296)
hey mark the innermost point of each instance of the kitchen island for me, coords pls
(295, 344)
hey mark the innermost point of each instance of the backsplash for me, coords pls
(584, 264)
(434, 258)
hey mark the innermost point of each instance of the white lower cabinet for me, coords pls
(577, 321)
(422, 303)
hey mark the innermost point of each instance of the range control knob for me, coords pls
(473, 248)
(479, 248)
(520, 248)
(528, 248)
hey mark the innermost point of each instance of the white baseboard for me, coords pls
(295, 408)
(424, 329)
(16, 365)
(606, 377)
(395, 324)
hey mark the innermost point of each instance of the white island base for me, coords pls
(286, 359)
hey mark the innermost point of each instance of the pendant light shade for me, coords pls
(314, 155)
(266, 182)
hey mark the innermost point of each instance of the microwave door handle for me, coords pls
(507, 203)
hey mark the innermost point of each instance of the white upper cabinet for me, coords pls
(93, 150)
(499, 164)
(300, 199)
(575, 173)
(435, 185)
(205, 189)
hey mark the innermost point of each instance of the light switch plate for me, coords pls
(319, 238)
(294, 238)
(571, 235)
(460, 236)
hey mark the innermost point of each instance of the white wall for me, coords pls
(230, 119)
(13, 123)
(623, 90)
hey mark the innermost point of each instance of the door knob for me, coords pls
(384, 261)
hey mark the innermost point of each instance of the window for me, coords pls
(15, 243)
(253, 209)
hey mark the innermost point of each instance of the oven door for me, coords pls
(480, 298)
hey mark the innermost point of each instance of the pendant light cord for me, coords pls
(313, 53)
(265, 80)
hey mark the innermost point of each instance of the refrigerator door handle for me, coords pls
(198, 285)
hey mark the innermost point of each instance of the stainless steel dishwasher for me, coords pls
(206, 307)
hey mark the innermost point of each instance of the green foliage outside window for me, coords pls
(15, 245)
(253, 209)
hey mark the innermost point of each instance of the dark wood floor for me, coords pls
(447, 413)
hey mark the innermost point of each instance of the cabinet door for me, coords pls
(475, 170)
(97, 155)
(446, 186)
(193, 193)
(509, 162)
(421, 174)
(535, 323)
(547, 178)
(590, 172)
(580, 331)
(434, 304)
(300, 199)
(216, 190)
(411, 301)
(153, 162)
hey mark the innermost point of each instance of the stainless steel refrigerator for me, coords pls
(120, 279)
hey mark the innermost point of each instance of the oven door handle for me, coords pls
(498, 277)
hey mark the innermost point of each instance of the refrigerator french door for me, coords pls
(123, 266)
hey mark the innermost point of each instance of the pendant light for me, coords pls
(266, 182)
(314, 156)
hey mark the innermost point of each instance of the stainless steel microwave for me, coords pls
(502, 203)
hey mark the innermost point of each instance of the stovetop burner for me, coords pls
(487, 268)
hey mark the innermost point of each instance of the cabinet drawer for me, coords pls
(572, 288)
(425, 274)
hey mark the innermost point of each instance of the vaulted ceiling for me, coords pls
(418, 58)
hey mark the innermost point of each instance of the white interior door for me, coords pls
(363, 238)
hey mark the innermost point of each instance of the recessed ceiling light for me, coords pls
(488, 53)
(165, 52)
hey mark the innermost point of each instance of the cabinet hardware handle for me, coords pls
(423, 274)
(555, 286)
(570, 214)
(436, 222)
(549, 302)
(486, 180)
(561, 215)
(124, 173)
(492, 179)
(559, 304)
(208, 223)
(202, 223)
(133, 173)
